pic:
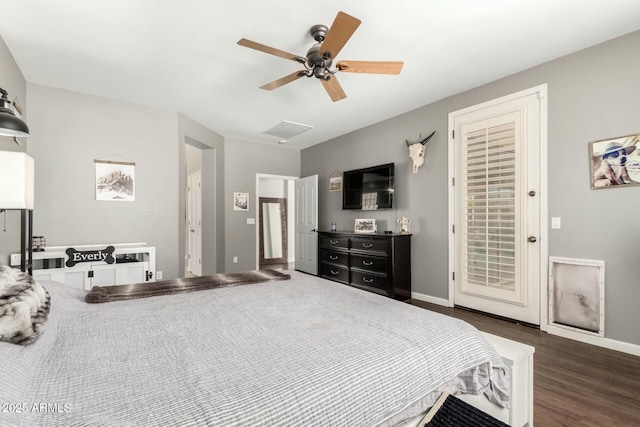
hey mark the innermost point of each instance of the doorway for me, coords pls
(193, 223)
(498, 206)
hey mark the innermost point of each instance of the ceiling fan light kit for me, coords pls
(320, 57)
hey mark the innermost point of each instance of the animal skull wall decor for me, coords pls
(417, 149)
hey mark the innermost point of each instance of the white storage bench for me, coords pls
(85, 266)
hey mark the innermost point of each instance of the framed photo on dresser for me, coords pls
(365, 226)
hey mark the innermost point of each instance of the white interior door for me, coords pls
(194, 223)
(497, 210)
(307, 224)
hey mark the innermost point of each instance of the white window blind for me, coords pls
(489, 218)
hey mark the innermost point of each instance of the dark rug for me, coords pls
(449, 411)
(99, 294)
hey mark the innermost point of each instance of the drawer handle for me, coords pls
(333, 242)
(367, 280)
(367, 262)
(364, 245)
(334, 272)
(333, 258)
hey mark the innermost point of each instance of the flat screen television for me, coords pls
(368, 188)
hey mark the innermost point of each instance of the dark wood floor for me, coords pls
(283, 266)
(575, 384)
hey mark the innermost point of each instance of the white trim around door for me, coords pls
(542, 233)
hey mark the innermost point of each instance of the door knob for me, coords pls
(532, 239)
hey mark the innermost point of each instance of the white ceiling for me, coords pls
(182, 55)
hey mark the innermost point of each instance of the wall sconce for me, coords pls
(10, 125)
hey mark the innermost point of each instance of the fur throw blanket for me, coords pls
(24, 307)
(101, 294)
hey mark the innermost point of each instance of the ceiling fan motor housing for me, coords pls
(319, 64)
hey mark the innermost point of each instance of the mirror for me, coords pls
(273, 231)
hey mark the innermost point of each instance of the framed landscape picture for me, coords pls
(115, 181)
(335, 184)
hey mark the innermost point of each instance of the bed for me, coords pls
(304, 351)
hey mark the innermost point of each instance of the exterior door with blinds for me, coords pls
(496, 198)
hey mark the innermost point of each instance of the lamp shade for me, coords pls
(10, 125)
(16, 180)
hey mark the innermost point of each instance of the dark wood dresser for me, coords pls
(379, 263)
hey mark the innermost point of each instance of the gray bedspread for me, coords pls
(300, 352)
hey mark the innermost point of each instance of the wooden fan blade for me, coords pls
(339, 34)
(370, 67)
(271, 50)
(334, 89)
(284, 80)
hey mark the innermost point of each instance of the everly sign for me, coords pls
(76, 257)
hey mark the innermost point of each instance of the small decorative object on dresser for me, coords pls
(404, 225)
(365, 226)
(379, 263)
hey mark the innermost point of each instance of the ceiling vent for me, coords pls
(287, 129)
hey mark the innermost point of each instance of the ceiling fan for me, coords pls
(320, 56)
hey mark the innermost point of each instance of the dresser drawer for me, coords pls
(369, 263)
(335, 257)
(370, 244)
(371, 280)
(333, 272)
(334, 242)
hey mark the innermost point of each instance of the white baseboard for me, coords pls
(622, 346)
(428, 298)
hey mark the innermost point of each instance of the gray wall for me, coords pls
(593, 94)
(13, 82)
(213, 177)
(68, 131)
(243, 160)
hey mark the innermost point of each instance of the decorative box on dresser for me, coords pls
(379, 263)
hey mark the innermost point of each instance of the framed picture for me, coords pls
(335, 181)
(576, 295)
(240, 201)
(615, 162)
(115, 181)
(365, 226)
